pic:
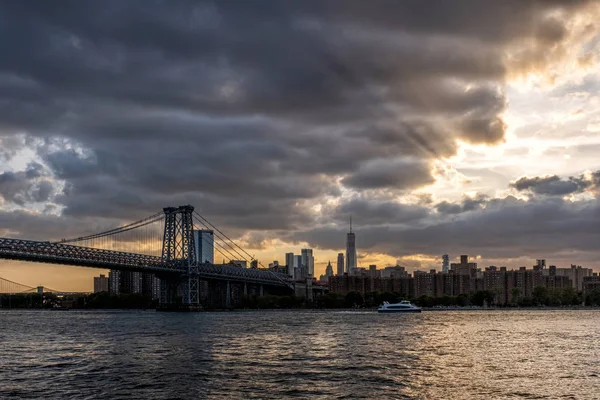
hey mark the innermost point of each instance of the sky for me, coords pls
(459, 127)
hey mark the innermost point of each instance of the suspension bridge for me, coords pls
(165, 245)
(10, 287)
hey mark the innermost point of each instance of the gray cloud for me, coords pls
(255, 113)
(385, 174)
(25, 186)
(367, 211)
(467, 204)
(10, 146)
(554, 185)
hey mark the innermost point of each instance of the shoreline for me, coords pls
(347, 310)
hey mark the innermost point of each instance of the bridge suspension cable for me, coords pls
(142, 237)
(226, 239)
(220, 247)
(10, 287)
(204, 222)
(124, 228)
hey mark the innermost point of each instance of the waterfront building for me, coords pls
(540, 264)
(114, 281)
(373, 271)
(100, 284)
(500, 281)
(130, 282)
(340, 264)
(591, 283)
(364, 284)
(289, 262)
(144, 283)
(576, 274)
(464, 267)
(156, 288)
(394, 272)
(424, 283)
(205, 245)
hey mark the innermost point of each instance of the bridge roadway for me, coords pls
(58, 253)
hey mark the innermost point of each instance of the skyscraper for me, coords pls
(445, 263)
(205, 245)
(350, 250)
(289, 262)
(340, 264)
(297, 267)
(308, 261)
(329, 270)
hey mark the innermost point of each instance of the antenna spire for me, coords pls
(351, 224)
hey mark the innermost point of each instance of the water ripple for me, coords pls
(300, 354)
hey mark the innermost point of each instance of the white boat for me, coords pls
(403, 306)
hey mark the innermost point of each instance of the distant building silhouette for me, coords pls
(289, 262)
(329, 270)
(100, 284)
(463, 278)
(308, 263)
(340, 264)
(445, 263)
(123, 282)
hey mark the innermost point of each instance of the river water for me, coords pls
(299, 354)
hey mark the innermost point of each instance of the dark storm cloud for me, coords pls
(253, 112)
(385, 174)
(366, 211)
(505, 228)
(42, 191)
(40, 226)
(554, 185)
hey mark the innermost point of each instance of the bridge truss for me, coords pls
(162, 243)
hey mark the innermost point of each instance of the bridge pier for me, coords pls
(191, 288)
(168, 292)
(228, 295)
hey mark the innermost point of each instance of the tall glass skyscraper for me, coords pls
(205, 246)
(289, 262)
(340, 264)
(350, 250)
(308, 261)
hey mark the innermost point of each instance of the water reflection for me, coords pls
(458, 355)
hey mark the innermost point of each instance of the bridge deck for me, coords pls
(58, 253)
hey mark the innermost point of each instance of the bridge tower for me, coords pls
(179, 252)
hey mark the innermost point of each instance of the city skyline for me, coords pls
(438, 132)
